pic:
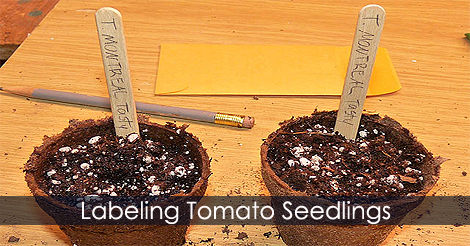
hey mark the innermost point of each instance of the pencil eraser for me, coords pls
(248, 122)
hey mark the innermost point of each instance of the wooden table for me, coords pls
(425, 40)
(18, 19)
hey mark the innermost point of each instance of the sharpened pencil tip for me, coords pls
(1, 88)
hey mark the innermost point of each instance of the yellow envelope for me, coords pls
(208, 69)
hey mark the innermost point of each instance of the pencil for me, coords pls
(161, 110)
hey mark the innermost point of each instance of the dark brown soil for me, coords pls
(241, 235)
(107, 165)
(381, 161)
(13, 239)
(226, 230)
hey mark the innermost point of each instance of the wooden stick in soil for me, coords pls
(361, 61)
(116, 66)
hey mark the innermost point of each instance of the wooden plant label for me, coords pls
(366, 41)
(116, 66)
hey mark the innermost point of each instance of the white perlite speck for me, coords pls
(363, 134)
(411, 170)
(94, 139)
(297, 151)
(392, 179)
(113, 194)
(352, 153)
(191, 165)
(151, 179)
(334, 184)
(290, 163)
(155, 190)
(147, 159)
(132, 137)
(316, 160)
(51, 172)
(74, 151)
(375, 131)
(65, 149)
(85, 166)
(149, 144)
(304, 161)
(56, 182)
(180, 171)
(341, 149)
(363, 145)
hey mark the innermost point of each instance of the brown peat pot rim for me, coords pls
(387, 121)
(277, 187)
(33, 168)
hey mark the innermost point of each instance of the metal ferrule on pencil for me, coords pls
(229, 119)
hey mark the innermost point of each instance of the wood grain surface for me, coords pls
(426, 44)
(18, 18)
